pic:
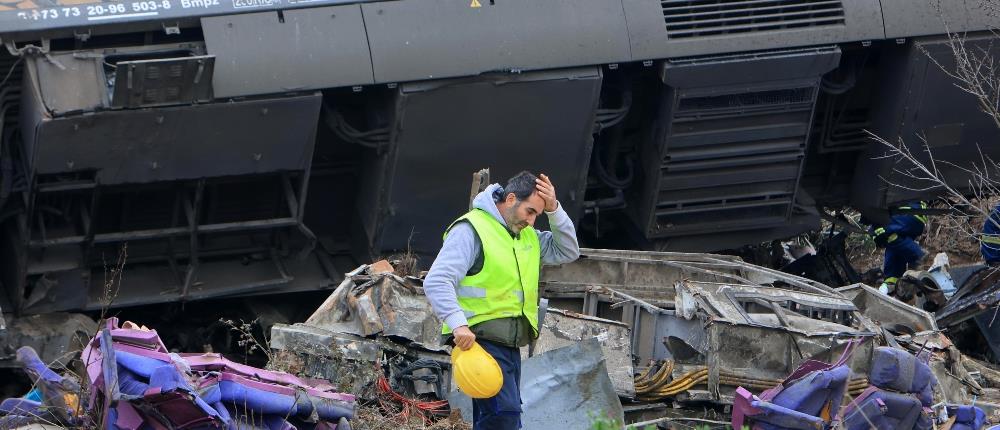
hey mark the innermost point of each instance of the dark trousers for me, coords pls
(503, 411)
(902, 254)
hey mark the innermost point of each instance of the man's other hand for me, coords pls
(464, 337)
(547, 192)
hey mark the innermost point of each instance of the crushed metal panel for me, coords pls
(333, 314)
(755, 336)
(69, 82)
(562, 328)
(408, 315)
(561, 389)
(980, 292)
(888, 310)
(644, 274)
(382, 304)
(650, 275)
(350, 361)
(54, 336)
(679, 339)
(743, 354)
(290, 50)
(780, 308)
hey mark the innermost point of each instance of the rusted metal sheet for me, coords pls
(563, 328)
(384, 304)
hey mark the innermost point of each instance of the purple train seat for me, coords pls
(900, 395)
(967, 417)
(807, 399)
(146, 387)
(884, 410)
(897, 370)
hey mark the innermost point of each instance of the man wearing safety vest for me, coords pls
(902, 251)
(989, 244)
(484, 282)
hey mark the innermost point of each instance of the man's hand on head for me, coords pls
(547, 192)
(464, 338)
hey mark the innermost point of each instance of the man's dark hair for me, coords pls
(521, 184)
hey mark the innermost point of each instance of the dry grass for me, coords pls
(382, 416)
(941, 237)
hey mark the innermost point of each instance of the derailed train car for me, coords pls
(253, 147)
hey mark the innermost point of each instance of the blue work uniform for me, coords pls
(902, 251)
(989, 244)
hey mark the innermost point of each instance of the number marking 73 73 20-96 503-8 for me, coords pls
(99, 11)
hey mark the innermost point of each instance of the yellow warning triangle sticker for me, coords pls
(475, 3)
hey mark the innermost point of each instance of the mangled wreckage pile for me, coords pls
(713, 333)
(376, 336)
(660, 338)
(133, 382)
(669, 339)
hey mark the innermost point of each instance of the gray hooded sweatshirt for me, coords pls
(462, 247)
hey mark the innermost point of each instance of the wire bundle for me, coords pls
(607, 118)
(656, 385)
(375, 138)
(660, 385)
(410, 407)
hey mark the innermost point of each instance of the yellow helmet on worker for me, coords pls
(477, 373)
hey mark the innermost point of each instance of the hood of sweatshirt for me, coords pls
(484, 201)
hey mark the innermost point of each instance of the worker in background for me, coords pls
(902, 251)
(484, 282)
(989, 244)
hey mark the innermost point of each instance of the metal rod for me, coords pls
(639, 425)
(194, 210)
(649, 307)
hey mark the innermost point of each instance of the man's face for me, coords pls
(520, 214)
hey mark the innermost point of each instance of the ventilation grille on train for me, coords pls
(731, 161)
(700, 18)
(778, 97)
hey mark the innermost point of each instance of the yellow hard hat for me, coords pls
(478, 375)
